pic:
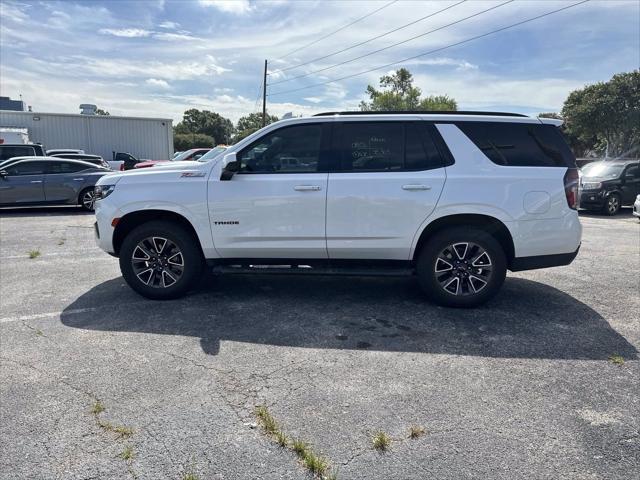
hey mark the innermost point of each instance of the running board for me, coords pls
(310, 270)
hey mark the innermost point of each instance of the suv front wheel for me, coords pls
(160, 260)
(461, 267)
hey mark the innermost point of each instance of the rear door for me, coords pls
(64, 180)
(273, 208)
(388, 178)
(24, 183)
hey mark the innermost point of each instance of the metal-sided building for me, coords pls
(145, 138)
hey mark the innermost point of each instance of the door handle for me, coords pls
(36, 181)
(79, 179)
(416, 187)
(306, 188)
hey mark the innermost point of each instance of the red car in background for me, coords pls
(193, 154)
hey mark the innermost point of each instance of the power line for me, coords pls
(338, 30)
(369, 40)
(432, 51)
(393, 45)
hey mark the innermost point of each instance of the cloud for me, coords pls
(175, 37)
(126, 32)
(237, 7)
(313, 99)
(169, 25)
(156, 82)
(444, 61)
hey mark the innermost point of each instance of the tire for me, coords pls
(612, 204)
(161, 260)
(86, 199)
(464, 284)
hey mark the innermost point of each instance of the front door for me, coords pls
(631, 184)
(274, 207)
(391, 175)
(23, 184)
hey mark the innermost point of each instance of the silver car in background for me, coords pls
(48, 181)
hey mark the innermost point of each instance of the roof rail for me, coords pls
(421, 112)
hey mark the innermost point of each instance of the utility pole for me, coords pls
(264, 95)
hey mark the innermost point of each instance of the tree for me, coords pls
(579, 147)
(606, 115)
(186, 141)
(251, 123)
(206, 123)
(100, 111)
(402, 95)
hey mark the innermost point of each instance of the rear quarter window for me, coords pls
(520, 144)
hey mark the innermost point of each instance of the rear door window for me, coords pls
(7, 152)
(385, 147)
(520, 144)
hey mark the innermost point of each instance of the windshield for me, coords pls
(602, 170)
(213, 153)
(181, 156)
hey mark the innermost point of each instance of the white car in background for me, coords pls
(636, 207)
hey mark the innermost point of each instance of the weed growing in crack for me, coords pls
(317, 465)
(416, 431)
(128, 453)
(33, 254)
(616, 359)
(97, 408)
(381, 441)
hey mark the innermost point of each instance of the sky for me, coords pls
(157, 58)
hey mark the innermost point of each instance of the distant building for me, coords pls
(15, 105)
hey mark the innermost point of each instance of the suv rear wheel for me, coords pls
(461, 267)
(160, 260)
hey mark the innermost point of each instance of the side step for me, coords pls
(313, 270)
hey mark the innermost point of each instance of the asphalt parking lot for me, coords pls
(99, 383)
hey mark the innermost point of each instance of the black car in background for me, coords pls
(609, 184)
(10, 150)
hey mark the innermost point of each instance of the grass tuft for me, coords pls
(127, 453)
(299, 447)
(381, 441)
(97, 407)
(34, 254)
(616, 359)
(416, 431)
(315, 464)
(282, 439)
(190, 476)
(268, 422)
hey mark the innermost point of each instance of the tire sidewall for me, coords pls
(427, 260)
(80, 198)
(193, 260)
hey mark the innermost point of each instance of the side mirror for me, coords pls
(230, 165)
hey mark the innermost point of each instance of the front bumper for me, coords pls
(592, 199)
(105, 213)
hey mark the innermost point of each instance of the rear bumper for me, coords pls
(636, 209)
(542, 261)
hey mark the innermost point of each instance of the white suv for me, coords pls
(453, 198)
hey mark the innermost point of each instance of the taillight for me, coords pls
(122, 167)
(571, 179)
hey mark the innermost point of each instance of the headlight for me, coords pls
(103, 191)
(591, 185)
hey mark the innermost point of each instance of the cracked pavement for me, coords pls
(520, 388)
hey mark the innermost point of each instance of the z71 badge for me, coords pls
(227, 222)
